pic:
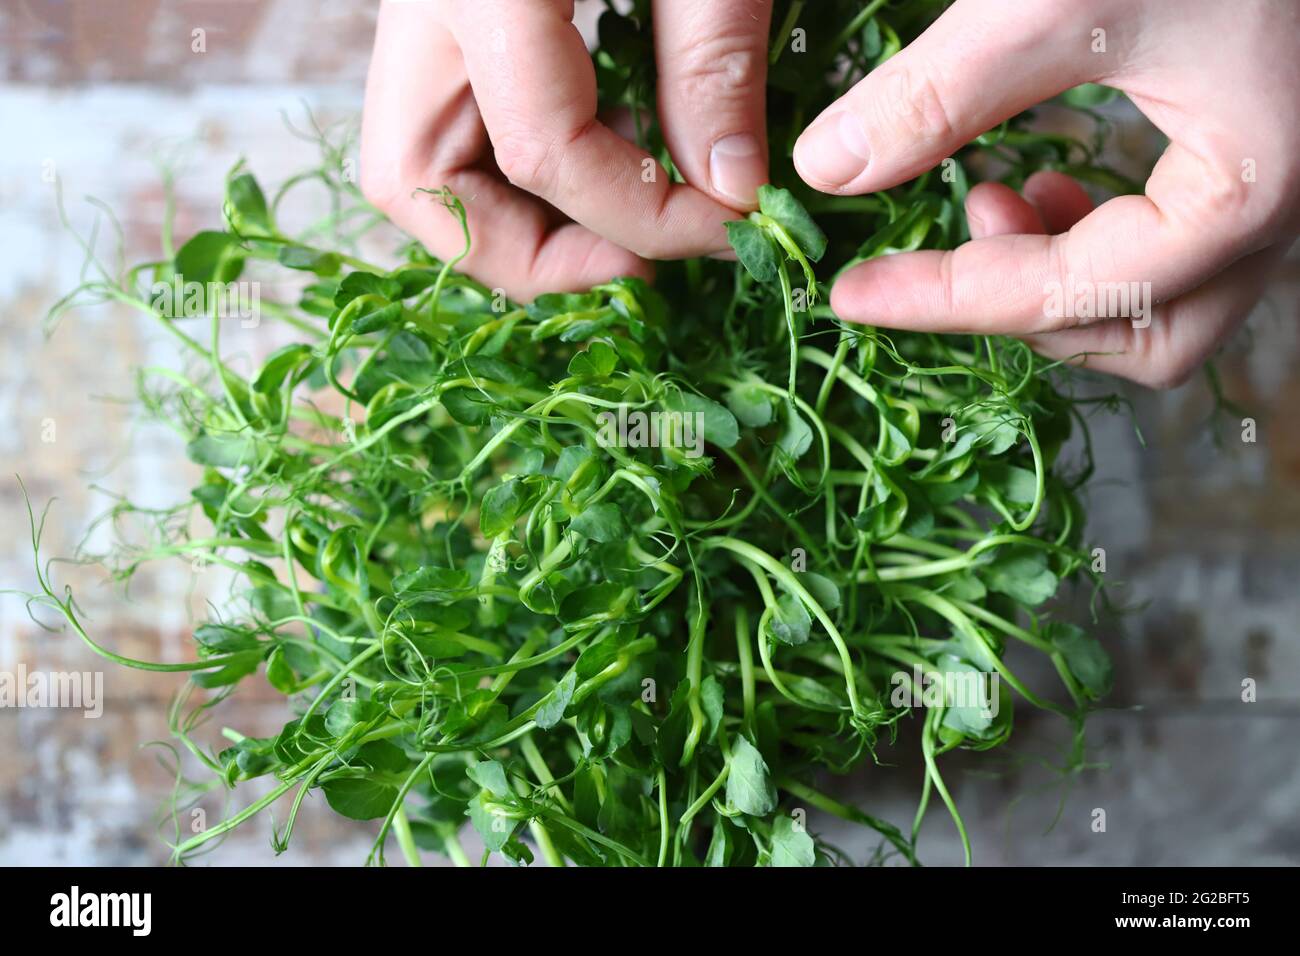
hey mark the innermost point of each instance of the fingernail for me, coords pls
(975, 221)
(738, 167)
(834, 150)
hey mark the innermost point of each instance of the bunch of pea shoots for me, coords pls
(504, 618)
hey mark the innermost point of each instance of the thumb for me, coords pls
(980, 63)
(712, 62)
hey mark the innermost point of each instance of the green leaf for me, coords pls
(554, 704)
(501, 508)
(749, 786)
(499, 370)
(232, 673)
(272, 602)
(491, 776)
(278, 365)
(712, 702)
(246, 209)
(409, 347)
(947, 492)
(790, 623)
(1021, 574)
(791, 845)
(920, 513)
(721, 845)
(598, 361)
(996, 428)
(430, 581)
(593, 604)
(468, 407)
(346, 713)
(780, 204)
(601, 522)
(571, 458)
(755, 249)
(620, 815)
(358, 798)
(383, 756)
(720, 427)
(251, 757)
(1014, 484)
(307, 259)
(751, 405)
(603, 730)
(517, 852)
(797, 437)
(967, 696)
(356, 284)
(883, 518)
(492, 825)
(1086, 659)
(210, 257)
(225, 639)
(279, 674)
(224, 450)
(378, 318)
(824, 591)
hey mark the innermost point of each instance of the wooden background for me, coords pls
(95, 90)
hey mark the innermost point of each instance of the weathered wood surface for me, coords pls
(1209, 536)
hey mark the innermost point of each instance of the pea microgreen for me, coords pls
(613, 653)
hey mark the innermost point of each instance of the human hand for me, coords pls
(1220, 209)
(497, 99)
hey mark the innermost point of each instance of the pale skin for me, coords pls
(497, 99)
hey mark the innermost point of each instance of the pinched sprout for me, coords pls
(495, 595)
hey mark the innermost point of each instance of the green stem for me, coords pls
(405, 839)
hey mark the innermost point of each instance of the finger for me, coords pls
(1125, 255)
(993, 209)
(712, 62)
(536, 88)
(1051, 203)
(1060, 200)
(980, 63)
(421, 130)
(1182, 335)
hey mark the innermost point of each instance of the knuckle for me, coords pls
(1226, 193)
(1249, 201)
(717, 66)
(1168, 376)
(1054, 281)
(1163, 364)
(525, 158)
(947, 287)
(913, 98)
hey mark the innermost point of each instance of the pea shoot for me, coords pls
(484, 613)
